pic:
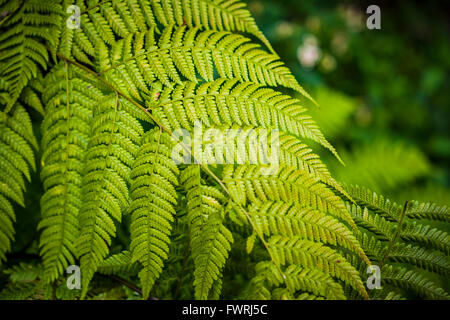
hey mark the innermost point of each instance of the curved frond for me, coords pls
(228, 102)
(295, 279)
(429, 211)
(183, 52)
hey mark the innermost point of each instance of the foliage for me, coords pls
(116, 201)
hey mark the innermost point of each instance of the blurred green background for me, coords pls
(383, 94)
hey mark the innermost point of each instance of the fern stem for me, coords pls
(397, 232)
(127, 284)
(97, 76)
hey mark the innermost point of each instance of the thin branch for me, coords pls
(127, 284)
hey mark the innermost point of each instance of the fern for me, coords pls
(210, 239)
(112, 149)
(402, 242)
(24, 36)
(310, 254)
(409, 279)
(250, 184)
(17, 158)
(429, 211)
(278, 218)
(153, 197)
(112, 93)
(119, 263)
(295, 279)
(65, 138)
(227, 102)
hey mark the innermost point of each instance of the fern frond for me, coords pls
(19, 291)
(432, 237)
(25, 283)
(210, 239)
(215, 15)
(66, 130)
(30, 95)
(423, 258)
(249, 183)
(295, 279)
(430, 211)
(23, 40)
(314, 281)
(384, 226)
(408, 279)
(154, 176)
(112, 148)
(373, 247)
(292, 220)
(183, 51)
(375, 223)
(309, 254)
(17, 141)
(104, 21)
(390, 295)
(259, 287)
(229, 102)
(118, 263)
(377, 203)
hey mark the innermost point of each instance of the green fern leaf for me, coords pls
(210, 239)
(66, 130)
(16, 158)
(428, 211)
(119, 263)
(290, 219)
(409, 279)
(308, 254)
(249, 183)
(153, 196)
(112, 147)
(31, 26)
